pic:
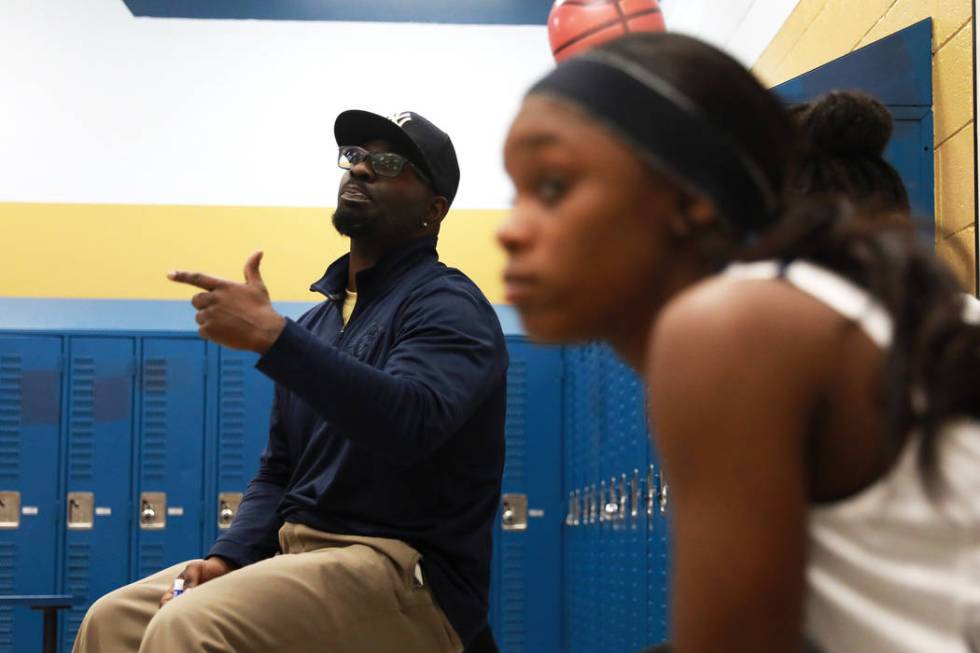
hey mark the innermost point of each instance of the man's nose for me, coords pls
(362, 170)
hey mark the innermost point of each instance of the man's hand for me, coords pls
(237, 315)
(197, 572)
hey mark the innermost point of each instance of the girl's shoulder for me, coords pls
(753, 329)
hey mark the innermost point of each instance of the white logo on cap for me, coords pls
(401, 118)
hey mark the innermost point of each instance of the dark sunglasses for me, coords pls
(386, 164)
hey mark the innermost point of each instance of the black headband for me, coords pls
(668, 129)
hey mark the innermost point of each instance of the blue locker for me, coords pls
(170, 467)
(584, 589)
(525, 610)
(658, 555)
(591, 414)
(607, 445)
(243, 402)
(97, 506)
(626, 418)
(575, 615)
(30, 420)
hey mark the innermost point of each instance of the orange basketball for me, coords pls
(577, 25)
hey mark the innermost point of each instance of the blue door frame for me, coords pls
(898, 71)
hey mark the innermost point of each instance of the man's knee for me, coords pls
(172, 623)
(104, 611)
(104, 626)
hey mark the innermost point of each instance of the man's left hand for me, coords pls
(237, 315)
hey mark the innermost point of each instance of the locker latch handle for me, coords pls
(9, 510)
(228, 503)
(513, 513)
(148, 514)
(153, 510)
(80, 511)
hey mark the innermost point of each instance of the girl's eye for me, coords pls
(550, 190)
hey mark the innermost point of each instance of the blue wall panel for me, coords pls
(873, 69)
(907, 95)
(510, 12)
(30, 417)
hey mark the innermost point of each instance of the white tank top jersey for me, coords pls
(890, 569)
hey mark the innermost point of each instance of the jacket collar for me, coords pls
(375, 280)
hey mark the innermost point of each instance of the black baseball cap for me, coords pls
(423, 143)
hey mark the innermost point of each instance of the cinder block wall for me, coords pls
(819, 31)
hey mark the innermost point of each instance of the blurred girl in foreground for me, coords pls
(814, 378)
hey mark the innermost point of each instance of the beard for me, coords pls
(355, 224)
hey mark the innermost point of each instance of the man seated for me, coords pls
(381, 478)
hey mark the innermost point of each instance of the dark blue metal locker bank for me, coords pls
(99, 436)
(628, 452)
(615, 554)
(170, 468)
(525, 611)
(243, 399)
(30, 416)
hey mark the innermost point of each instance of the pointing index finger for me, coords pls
(203, 281)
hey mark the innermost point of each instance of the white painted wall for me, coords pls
(742, 27)
(97, 106)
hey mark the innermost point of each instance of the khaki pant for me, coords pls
(325, 594)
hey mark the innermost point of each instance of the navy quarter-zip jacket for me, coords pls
(391, 427)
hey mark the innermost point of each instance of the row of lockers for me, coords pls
(121, 454)
(615, 533)
(118, 456)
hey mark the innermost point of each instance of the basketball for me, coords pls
(577, 25)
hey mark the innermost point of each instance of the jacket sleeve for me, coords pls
(254, 534)
(447, 357)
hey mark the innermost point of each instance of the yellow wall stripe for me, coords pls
(124, 251)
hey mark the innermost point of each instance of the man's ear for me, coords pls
(438, 208)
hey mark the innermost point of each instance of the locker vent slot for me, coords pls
(515, 465)
(77, 576)
(154, 420)
(151, 559)
(10, 417)
(8, 558)
(513, 591)
(231, 426)
(81, 422)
